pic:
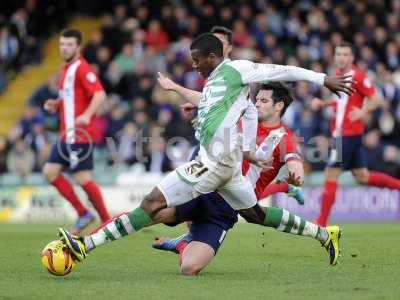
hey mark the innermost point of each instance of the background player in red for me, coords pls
(347, 129)
(81, 95)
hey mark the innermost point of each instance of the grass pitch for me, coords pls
(253, 263)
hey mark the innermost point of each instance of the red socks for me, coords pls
(91, 189)
(327, 200)
(94, 194)
(180, 248)
(67, 191)
(382, 180)
(275, 187)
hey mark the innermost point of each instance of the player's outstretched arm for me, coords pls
(189, 95)
(255, 73)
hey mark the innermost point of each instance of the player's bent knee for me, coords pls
(50, 173)
(153, 202)
(190, 269)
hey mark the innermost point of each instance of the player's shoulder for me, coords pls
(362, 78)
(86, 70)
(241, 63)
(84, 65)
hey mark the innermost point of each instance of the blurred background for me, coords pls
(128, 42)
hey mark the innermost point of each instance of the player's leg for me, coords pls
(192, 210)
(195, 257)
(53, 173)
(81, 170)
(328, 195)
(281, 186)
(343, 156)
(378, 179)
(284, 221)
(195, 254)
(85, 180)
(171, 191)
(363, 176)
(119, 227)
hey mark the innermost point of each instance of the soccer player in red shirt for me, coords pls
(81, 95)
(347, 129)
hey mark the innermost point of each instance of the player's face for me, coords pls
(266, 107)
(202, 64)
(69, 48)
(343, 57)
(227, 48)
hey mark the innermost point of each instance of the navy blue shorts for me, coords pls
(347, 153)
(73, 157)
(195, 152)
(211, 218)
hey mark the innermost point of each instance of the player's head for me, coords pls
(70, 44)
(225, 36)
(207, 52)
(344, 55)
(272, 100)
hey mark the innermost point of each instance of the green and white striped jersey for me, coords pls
(225, 97)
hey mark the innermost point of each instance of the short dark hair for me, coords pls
(345, 44)
(224, 31)
(207, 43)
(280, 93)
(75, 33)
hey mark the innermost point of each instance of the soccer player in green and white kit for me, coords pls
(218, 166)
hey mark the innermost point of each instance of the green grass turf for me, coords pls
(253, 263)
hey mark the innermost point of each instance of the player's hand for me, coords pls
(316, 104)
(83, 119)
(356, 114)
(165, 82)
(187, 110)
(338, 84)
(293, 179)
(52, 105)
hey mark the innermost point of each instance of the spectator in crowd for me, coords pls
(138, 39)
(9, 48)
(46, 91)
(20, 159)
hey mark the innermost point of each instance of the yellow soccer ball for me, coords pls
(57, 259)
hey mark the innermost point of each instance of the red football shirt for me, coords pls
(277, 143)
(343, 105)
(77, 85)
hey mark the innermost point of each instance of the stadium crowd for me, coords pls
(137, 40)
(24, 27)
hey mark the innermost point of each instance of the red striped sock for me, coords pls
(94, 195)
(382, 180)
(67, 191)
(327, 201)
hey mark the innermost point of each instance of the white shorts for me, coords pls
(191, 180)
